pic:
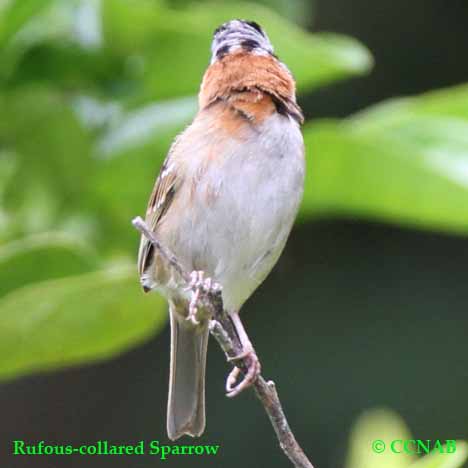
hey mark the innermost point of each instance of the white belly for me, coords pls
(239, 234)
(243, 209)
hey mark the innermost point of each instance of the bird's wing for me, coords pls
(167, 183)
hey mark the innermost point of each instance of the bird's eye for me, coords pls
(222, 51)
(249, 44)
(256, 26)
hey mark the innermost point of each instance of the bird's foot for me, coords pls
(253, 371)
(201, 289)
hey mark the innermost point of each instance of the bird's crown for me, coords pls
(240, 35)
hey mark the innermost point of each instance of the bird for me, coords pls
(224, 204)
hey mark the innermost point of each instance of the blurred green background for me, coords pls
(367, 306)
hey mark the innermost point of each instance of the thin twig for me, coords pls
(222, 329)
(139, 224)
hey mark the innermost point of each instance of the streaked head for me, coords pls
(240, 34)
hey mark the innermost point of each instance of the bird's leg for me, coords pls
(200, 289)
(248, 354)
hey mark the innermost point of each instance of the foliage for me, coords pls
(92, 93)
(85, 317)
(386, 426)
(403, 161)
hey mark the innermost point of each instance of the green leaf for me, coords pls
(52, 157)
(130, 154)
(7, 169)
(448, 102)
(382, 425)
(75, 320)
(46, 136)
(437, 459)
(16, 13)
(41, 257)
(404, 161)
(68, 53)
(145, 124)
(144, 50)
(175, 44)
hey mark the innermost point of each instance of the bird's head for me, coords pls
(238, 35)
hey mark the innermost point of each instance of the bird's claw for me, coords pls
(253, 371)
(200, 289)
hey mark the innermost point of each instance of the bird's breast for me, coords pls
(241, 195)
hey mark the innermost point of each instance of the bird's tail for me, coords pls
(186, 406)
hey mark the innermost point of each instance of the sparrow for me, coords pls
(224, 204)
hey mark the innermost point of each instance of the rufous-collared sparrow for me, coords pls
(224, 201)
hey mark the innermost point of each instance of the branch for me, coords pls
(222, 329)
